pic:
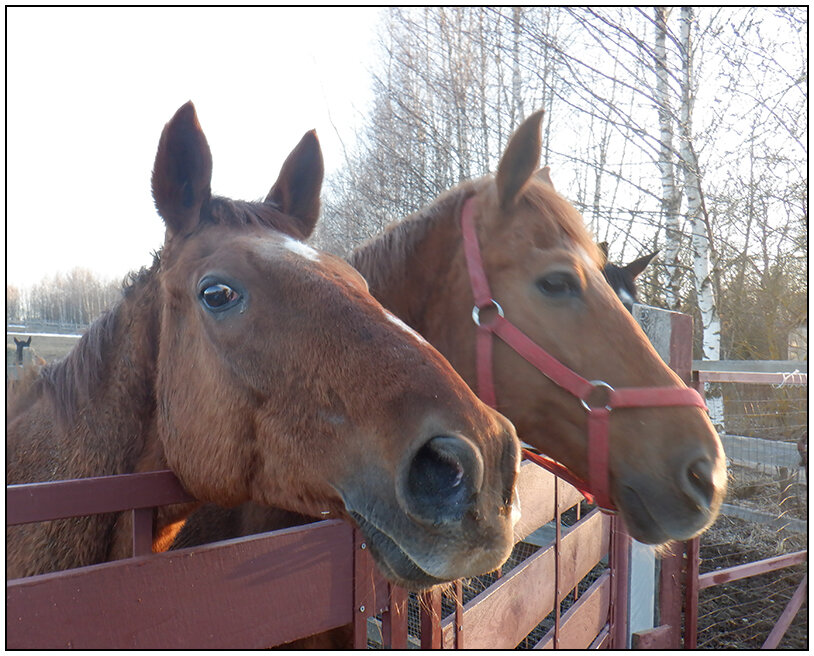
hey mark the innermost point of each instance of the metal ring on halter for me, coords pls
(476, 311)
(597, 383)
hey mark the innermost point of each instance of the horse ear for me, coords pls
(544, 174)
(519, 161)
(637, 266)
(28, 341)
(296, 192)
(182, 172)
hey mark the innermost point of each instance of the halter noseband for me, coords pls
(597, 488)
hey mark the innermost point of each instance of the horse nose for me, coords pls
(696, 481)
(442, 480)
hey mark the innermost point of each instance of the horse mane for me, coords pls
(74, 379)
(388, 254)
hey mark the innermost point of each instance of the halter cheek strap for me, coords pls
(597, 488)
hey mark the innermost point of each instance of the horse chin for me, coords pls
(648, 526)
(394, 562)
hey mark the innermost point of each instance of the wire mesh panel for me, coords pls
(764, 515)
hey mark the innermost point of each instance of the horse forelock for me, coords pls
(557, 218)
(228, 212)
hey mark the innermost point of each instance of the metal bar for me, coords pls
(788, 614)
(459, 614)
(691, 595)
(142, 519)
(41, 502)
(750, 569)
(752, 377)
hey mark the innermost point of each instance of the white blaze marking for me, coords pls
(394, 319)
(299, 248)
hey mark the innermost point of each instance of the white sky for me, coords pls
(89, 90)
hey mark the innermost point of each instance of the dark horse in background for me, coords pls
(259, 369)
(20, 346)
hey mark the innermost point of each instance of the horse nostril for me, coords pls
(443, 478)
(697, 482)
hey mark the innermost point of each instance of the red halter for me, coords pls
(597, 488)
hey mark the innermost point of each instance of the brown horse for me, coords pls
(666, 464)
(257, 368)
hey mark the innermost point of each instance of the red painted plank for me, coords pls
(751, 569)
(246, 593)
(535, 487)
(39, 502)
(583, 622)
(503, 614)
(659, 637)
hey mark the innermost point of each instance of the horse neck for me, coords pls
(409, 266)
(98, 403)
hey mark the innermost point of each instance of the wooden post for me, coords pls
(430, 607)
(142, 519)
(394, 620)
(620, 584)
(363, 594)
(691, 597)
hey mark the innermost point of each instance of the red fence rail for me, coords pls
(696, 581)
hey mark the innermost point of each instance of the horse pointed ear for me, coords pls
(296, 192)
(28, 341)
(603, 249)
(182, 172)
(544, 174)
(637, 266)
(519, 161)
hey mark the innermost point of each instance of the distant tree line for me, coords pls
(77, 297)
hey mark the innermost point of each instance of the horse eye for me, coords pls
(219, 296)
(559, 285)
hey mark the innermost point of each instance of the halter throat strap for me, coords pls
(597, 397)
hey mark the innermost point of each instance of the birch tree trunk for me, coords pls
(710, 321)
(670, 195)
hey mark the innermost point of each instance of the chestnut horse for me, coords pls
(666, 465)
(257, 368)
